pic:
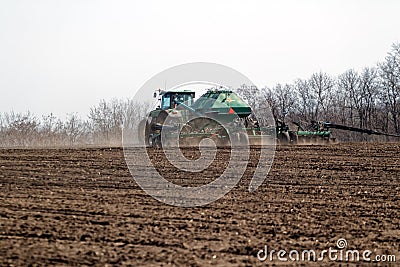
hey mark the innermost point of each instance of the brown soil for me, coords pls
(82, 207)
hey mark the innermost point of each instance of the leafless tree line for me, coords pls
(102, 127)
(366, 99)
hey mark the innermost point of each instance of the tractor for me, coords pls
(191, 121)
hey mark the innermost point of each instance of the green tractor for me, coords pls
(150, 128)
(190, 121)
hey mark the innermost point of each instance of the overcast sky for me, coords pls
(64, 56)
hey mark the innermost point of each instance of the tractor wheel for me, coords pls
(161, 117)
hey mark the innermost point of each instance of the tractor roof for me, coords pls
(182, 91)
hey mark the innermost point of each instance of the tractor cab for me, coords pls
(172, 99)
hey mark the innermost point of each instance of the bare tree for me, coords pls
(47, 130)
(369, 91)
(74, 128)
(108, 119)
(321, 85)
(284, 100)
(250, 93)
(21, 129)
(102, 119)
(389, 72)
(348, 84)
(307, 100)
(269, 99)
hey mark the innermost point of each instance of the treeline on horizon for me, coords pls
(369, 99)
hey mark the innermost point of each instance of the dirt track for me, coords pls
(82, 207)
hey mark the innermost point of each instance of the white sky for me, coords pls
(64, 56)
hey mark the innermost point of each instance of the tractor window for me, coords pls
(180, 98)
(188, 99)
(171, 100)
(166, 102)
(184, 98)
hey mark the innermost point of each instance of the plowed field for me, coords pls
(82, 207)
